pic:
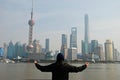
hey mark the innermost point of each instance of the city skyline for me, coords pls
(54, 18)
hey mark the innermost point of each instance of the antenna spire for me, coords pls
(32, 11)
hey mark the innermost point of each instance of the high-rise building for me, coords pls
(109, 50)
(5, 50)
(64, 40)
(73, 38)
(82, 47)
(37, 47)
(94, 49)
(100, 52)
(18, 50)
(94, 45)
(85, 44)
(86, 38)
(10, 50)
(31, 23)
(47, 45)
(116, 55)
(64, 49)
(72, 53)
(25, 54)
(1, 52)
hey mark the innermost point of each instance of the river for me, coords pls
(27, 71)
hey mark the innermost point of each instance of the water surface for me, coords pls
(27, 71)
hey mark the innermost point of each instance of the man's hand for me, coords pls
(35, 62)
(87, 63)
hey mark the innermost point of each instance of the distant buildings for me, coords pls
(1, 52)
(72, 54)
(13, 51)
(5, 50)
(72, 51)
(64, 49)
(85, 43)
(100, 52)
(109, 50)
(90, 50)
(36, 47)
(73, 38)
(10, 50)
(47, 45)
(94, 46)
(116, 55)
(86, 37)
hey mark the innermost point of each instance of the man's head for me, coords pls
(60, 57)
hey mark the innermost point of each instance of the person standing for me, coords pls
(59, 69)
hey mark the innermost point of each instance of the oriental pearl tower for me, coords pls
(31, 23)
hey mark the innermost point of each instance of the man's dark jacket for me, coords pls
(60, 70)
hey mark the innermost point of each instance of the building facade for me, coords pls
(108, 50)
(47, 45)
(85, 44)
(64, 49)
(86, 38)
(36, 47)
(94, 46)
(10, 50)
(72, 54)
(73, 38)
(100, 52)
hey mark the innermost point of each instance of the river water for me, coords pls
(28, 71)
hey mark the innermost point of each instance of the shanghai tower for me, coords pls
(86, 38)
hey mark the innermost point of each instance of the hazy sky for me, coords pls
(54, 17)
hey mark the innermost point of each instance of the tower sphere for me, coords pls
(30, 47)
(31, 22)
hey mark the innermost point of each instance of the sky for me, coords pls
(55, 17)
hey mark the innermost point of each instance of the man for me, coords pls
(59, 69)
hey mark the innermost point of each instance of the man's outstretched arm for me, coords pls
(78, 69)
(42, 68)
(38, 66)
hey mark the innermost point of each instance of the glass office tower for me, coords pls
(86, 38)
(73, 38)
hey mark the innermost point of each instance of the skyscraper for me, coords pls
(47, 45)
(85, 43)
(86, 38)
(1, 52)
(37, 47)
(82, 47)
(5, 50)
(72, 53)
(64, 40)
(94, 46)
(31, 23)
(100, 52)
(10, 50)
(109, 50)
(18, 50)
(73, 38)
(64, 49)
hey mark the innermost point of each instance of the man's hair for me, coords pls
(60, 57)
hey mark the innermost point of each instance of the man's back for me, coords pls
(60, 69)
